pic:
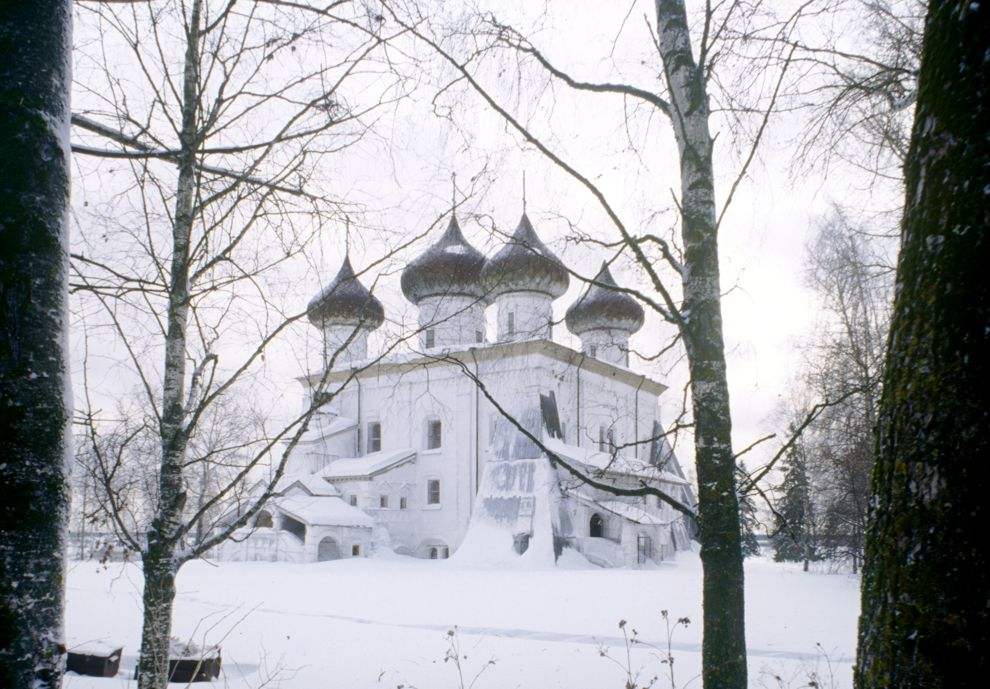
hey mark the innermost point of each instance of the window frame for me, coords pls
(430, 438)
(374, 439)
(433, 492)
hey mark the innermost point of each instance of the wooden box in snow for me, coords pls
(95, 661)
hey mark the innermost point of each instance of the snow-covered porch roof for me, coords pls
(368, 466)
(322, 511)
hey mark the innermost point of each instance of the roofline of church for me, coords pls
(469, 355)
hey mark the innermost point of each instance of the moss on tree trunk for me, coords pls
(926, 579)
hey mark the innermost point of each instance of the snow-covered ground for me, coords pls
(384, 623)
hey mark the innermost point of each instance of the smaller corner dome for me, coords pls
(525, 264)
(451, 267)
(345, 301)
(604, 306)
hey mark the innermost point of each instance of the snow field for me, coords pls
(384, 623)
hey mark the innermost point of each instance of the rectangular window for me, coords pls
(383, 501)
(593, 351)
(433, 492)
(434, 434)
(601, 438)
(610, 437)
(402, 503)
(479, 337)
(355, 550)
(510, 325)
(431, 338)
(353, 501)
(374, 436)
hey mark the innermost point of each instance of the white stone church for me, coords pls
(412, 455)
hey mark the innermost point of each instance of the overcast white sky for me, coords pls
(401, 177)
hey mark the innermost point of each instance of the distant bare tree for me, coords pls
(844, 363)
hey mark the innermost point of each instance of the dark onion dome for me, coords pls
(604, 306)
(345, 301)
(524, 264)
(449, 267)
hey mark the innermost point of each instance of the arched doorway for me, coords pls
(596, 528)
(327, 550)
(264, 520)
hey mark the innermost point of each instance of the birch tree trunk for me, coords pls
(724, 640)
(926, 578)
(159, 560)
(34, 404)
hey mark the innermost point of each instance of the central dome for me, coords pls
(451, 267)
(524, 264)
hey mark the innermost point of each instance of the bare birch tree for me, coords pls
(204, 125)
(34, 404)
(681, 272)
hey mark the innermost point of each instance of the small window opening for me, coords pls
(383, 501)
(355, 550)
(479, 336)
(601, 439)
(431, 338)
(374, 436)
(510, 323)
(402, 503)
(433, 492)
(434, 552)
(596, 527)
(353, 501)
(434, 434)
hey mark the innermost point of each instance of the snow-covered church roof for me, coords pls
(611, 463)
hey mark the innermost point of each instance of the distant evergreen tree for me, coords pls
(794, 534)
(749, 520)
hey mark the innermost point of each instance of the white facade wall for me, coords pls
(405, 398)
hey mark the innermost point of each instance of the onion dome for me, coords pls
(604, 306)
(345, 301)
(451, 267)
(524, 264)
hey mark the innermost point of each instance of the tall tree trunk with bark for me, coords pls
(34, 404)
(160, 561)
(926, 580)
(724, 642)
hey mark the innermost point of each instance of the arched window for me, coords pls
(264, 520)
(596, 528)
